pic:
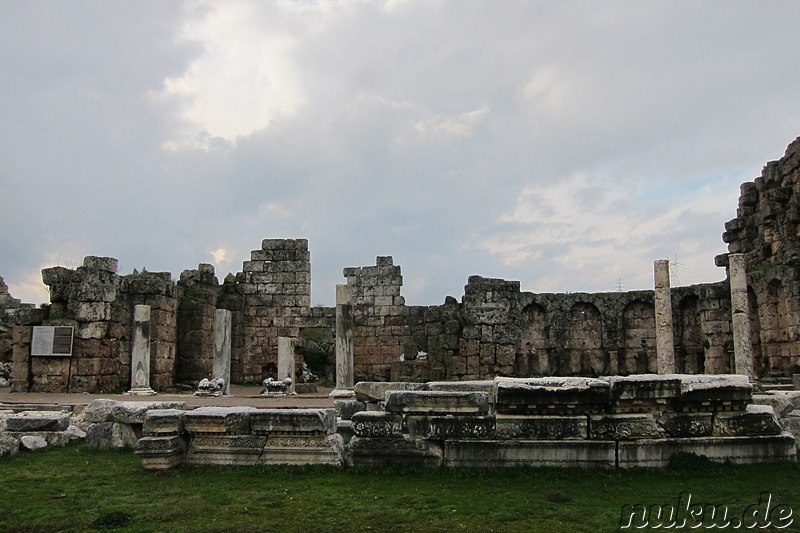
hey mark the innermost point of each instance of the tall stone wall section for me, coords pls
(198, 291)
(378, 315)
(275, 287)
(767, 231)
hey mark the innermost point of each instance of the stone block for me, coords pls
(756, 420)
(541, 427)
(644, 392)
(624, 427)
(160, 422)
(293, 421)
(227, 420)
(655, 453)
(8, 445)
(551, 396)
(684, 425)
(56, 439)
(491, 454)
(377, 425)
(28, 421)
(437, 402)
(303, 450)
(401, 451)
(451, 427)
(105, 264)
(161, 452)
(33, 442)
(708, 392)
(111, 435)
(345, 409)
(375, 391)
(220, 449)
(99, 411)
(136, 412)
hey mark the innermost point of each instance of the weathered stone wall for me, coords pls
(767, 230)
(378, 317)
(495, 330)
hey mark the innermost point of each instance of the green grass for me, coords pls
(75, 489)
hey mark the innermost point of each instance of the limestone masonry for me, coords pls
(495, 330)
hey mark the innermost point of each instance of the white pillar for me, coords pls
(286, 362)
(222, 348)
(344, 343)
(740, 316)
(665, 345)
(140, 352)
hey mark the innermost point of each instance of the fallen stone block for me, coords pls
(111, 435)
(293, 421)
(569, 453)
(451, 427)
(685, 425)
(551, 396)
(728, 392)
(624, 426)
(756, 420)
(656, 453)
(136, 412)
(227, 420)
(377, 425)
(162, 452)
(401, 451)
(161, 422)
(375, 391)
(435, 402)
(8, 445)
(542, 427)
(28, 421)
(32, 442)
(221, 449)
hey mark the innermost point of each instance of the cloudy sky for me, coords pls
(565, 144)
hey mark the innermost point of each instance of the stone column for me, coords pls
(740, 316)
(665, 346)
(140, 352)
(286, 362)
(222, 348)
(344, 343)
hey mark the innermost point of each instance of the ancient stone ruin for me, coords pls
(500, 377)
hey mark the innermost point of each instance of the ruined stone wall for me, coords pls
(97, 303)
(275, 287)
(378, 316)
(197, 291)
(767, 230)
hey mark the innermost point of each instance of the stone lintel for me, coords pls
(541, 427)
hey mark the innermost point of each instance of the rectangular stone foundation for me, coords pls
(737, 450)
(493, 453)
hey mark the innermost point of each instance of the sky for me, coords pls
(567, 144)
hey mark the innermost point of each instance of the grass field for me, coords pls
(75, 489)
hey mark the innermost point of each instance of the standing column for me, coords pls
(740, 316)
(286, 362)
(344, 343)
(222, 348)
(140, 352)
(665, 346)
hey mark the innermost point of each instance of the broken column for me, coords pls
(344, 343)
(286, 362)
(222, 348)
(740, 316)
(140, 352)
(665, 347)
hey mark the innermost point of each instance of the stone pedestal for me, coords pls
(344, 343)
(740, 316)
(665, 346)
(140, 352)
(222, 348)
